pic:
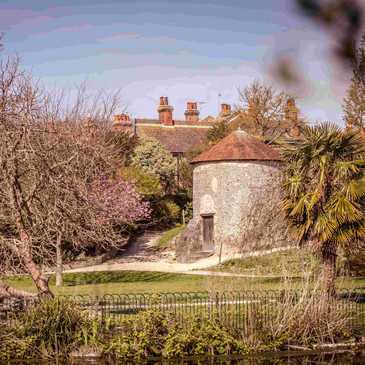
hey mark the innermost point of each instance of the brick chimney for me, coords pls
(121, 122)
(192, 112)
(291, 118)
(291, 111)
(165, 112)
(225, 109)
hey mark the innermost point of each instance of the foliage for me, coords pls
(188, 211)
(172, 210)
(158, 334)
(166, 211)
(143, 336)
(48, 328)
(186, 177)
(169, 235)
(217, 132)
(123, 143)
(57, 327)
(324, 186)
(12, 346)
(146, 184)
(152, 157)
(207, 336)
(354, 102)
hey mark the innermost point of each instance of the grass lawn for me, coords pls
(100, 283)
(169, 235)
(291, 262)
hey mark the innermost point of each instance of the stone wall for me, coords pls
(244, 197)
(233, 191)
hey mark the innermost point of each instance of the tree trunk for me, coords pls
(329, 257)
(25, 255)
(40, 281)
(59, 264)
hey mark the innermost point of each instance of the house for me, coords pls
(178, 136)
(230, 181)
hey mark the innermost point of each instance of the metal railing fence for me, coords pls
(238, 310)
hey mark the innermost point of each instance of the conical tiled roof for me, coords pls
(239, 146)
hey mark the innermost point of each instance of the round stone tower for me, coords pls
(235, 183)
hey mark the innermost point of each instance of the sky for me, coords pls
(188, 50)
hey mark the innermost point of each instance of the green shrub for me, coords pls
(173, 211)
(146, 184)
(48, 328)
(156, 334)
(12, 346)
(167, 236)
(152, 157)
(202, 337)
(55, 325)
(188, 212)
(218, 132)
(143, 336)
(167, 212)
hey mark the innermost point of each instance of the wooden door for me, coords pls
(208, 232)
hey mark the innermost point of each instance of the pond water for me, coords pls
(343, 358)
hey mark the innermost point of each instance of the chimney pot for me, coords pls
(122, 118)
(121, 121)
(165, 112)
(192, 112)
(291, 111)
(226, 109)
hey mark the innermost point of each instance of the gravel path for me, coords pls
(144, 256)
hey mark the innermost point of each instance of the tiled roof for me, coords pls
(177, 139)
(239, 146)
(200, 123)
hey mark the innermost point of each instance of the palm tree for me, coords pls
(324, 193)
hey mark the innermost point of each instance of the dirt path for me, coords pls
(143, 255)
(142, 249)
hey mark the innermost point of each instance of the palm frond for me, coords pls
(325, 185)
(355, 189)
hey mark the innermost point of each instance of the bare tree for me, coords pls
(267, 113)
(98, 106)
(56, 182)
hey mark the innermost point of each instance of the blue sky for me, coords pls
(186, 50)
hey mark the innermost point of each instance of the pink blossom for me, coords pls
(118, 201)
